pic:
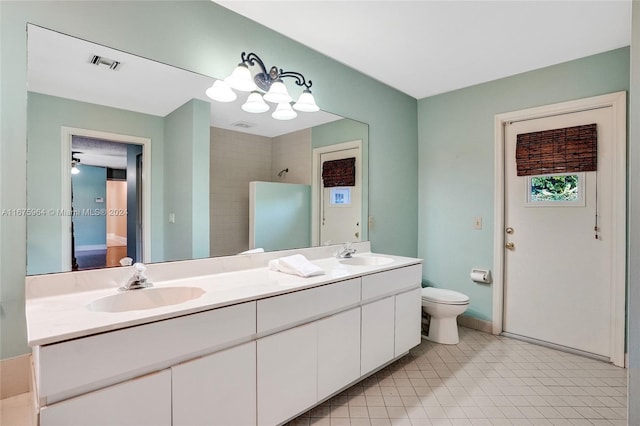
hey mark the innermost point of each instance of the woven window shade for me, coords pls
(567, 150)
(339, 172)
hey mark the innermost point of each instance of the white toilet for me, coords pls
(443, 307)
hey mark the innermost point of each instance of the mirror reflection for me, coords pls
(167, 174)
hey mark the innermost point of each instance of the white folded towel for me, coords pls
(251, 251)
(296, 264)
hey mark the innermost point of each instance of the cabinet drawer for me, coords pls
(290, 309)
(390, 282)
(77, 366)
(139, 402)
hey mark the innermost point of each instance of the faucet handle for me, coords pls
(139, 269)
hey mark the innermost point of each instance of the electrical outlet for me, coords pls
(477, 223)
(172, 218)
(370, 222)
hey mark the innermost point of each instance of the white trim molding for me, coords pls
(618, 102)
(65, 202)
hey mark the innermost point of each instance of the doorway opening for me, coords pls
(106, 190)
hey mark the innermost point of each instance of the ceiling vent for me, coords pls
(243, 124)
(99, 60)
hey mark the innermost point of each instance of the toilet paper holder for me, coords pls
(482, 276)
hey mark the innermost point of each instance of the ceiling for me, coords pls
(424, 48)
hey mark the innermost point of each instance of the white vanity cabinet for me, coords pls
(338, 351)
(408, 318)
(216, 390)
(304, 365)
(145, 401)
(78, 375)
(378, 327)
(260, 361)
(287, 373)
(298, 366)
(391, 315)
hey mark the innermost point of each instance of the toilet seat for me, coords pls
(441, 295)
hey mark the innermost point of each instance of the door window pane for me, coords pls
(555, 190)
(340, 196)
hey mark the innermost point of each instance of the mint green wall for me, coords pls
(282, 215)
(89, 229)
(203, 37)
(47, 114)
(346, 131)
(456, 149)
(186, 173)
(633, 155)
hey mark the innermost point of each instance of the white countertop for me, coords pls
(57, 316)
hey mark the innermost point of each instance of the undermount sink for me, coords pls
(366, 260)
(148, 298)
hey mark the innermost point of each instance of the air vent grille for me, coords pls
(243, 124)
(99, 60)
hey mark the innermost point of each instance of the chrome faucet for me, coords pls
(346, 251)
(138, 280)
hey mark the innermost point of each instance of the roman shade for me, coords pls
(566, 150)
(340, 172)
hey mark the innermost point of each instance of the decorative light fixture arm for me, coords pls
(265, 79)
(300, 80)
(272, 89)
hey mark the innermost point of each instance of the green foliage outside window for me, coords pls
(554, 188)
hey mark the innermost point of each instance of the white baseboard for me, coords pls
(15, 376)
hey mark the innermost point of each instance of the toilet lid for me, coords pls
(441, 295)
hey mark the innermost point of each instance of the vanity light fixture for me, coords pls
(264, 86)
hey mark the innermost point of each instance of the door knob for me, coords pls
(510, 246)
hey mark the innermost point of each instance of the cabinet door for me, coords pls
(137, 402)
(338, 351)
(408, 320)
(287, 374)
(219, 389)
(377, 334)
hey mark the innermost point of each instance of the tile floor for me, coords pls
(484, 380)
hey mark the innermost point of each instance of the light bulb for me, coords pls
(240, 79)
(306, 102)
(221, 92)
(284, 112)
(277, 93)
(255, 103)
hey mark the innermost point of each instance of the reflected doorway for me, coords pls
(337, 194)
(105, 189)
(108, 198)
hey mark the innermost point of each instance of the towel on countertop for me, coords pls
(251, 251)
(296, 264)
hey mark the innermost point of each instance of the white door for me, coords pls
(557, 274)
(341, 207)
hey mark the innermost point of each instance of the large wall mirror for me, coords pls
(128, 158)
